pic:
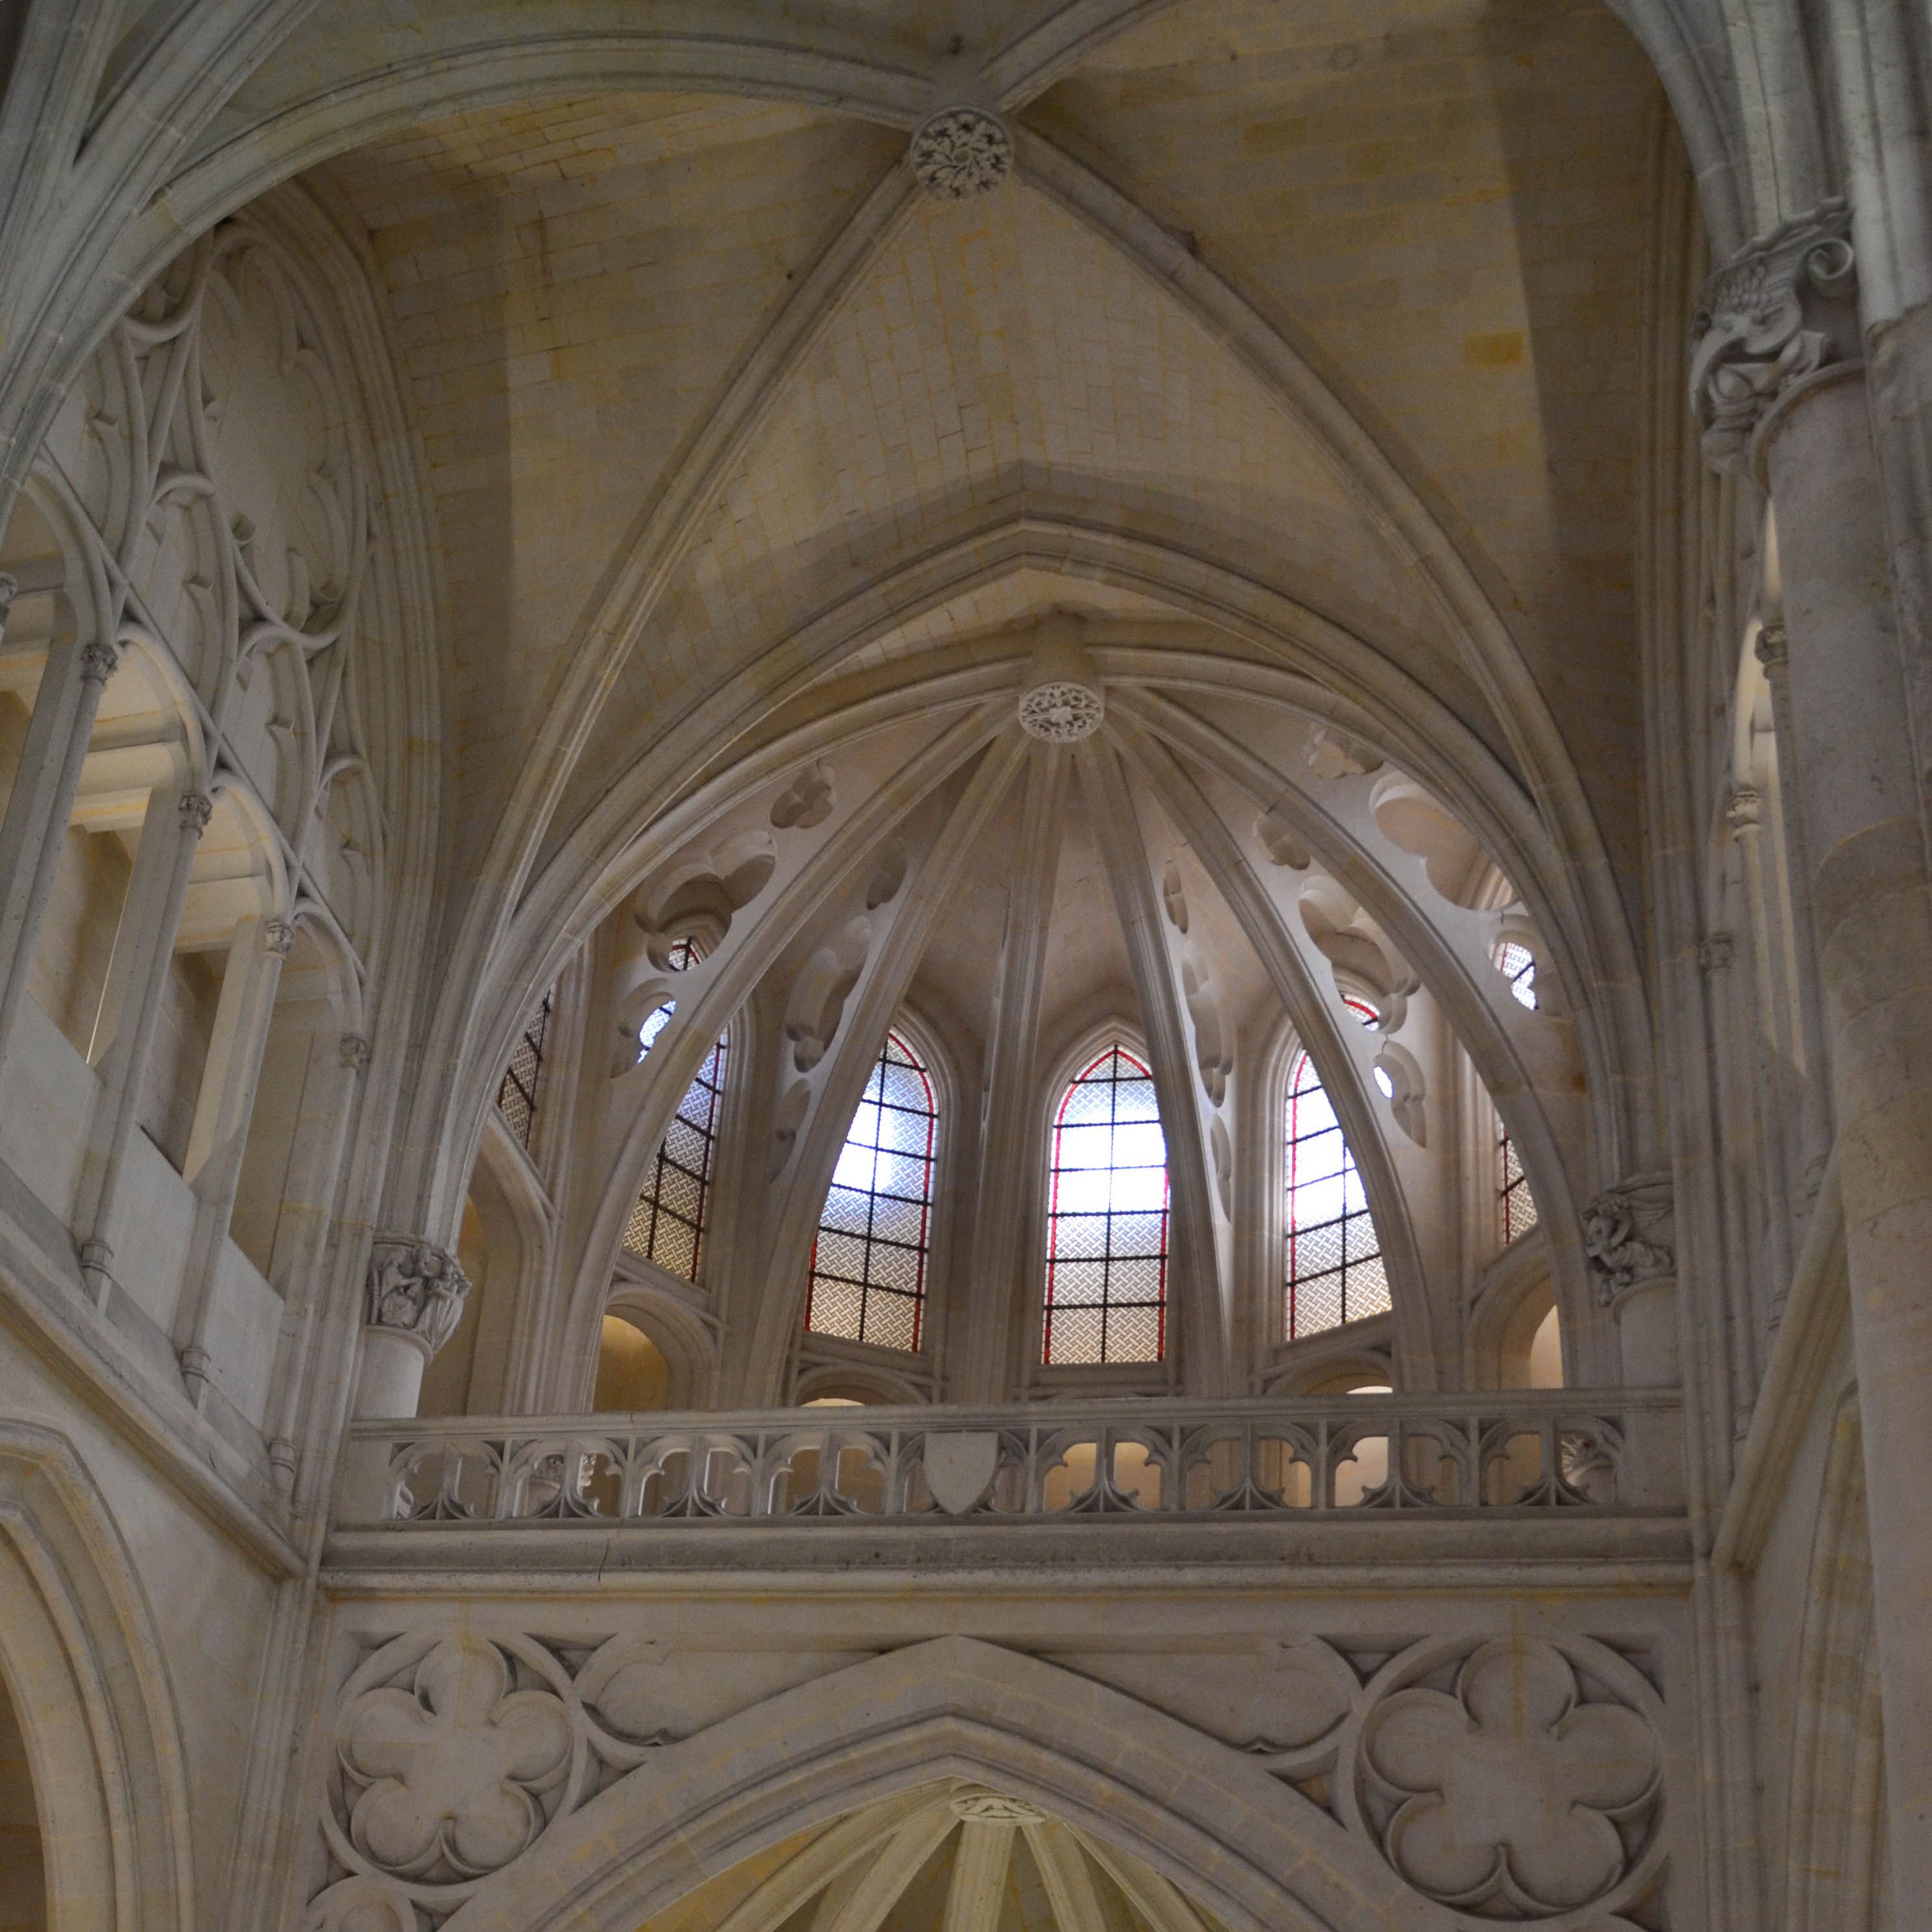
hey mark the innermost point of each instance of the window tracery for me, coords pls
(682, 955)
(1106, 1231)
(868, 1258)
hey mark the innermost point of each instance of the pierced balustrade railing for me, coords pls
(1515, 1450)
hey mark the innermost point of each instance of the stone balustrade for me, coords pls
(1518, 1451)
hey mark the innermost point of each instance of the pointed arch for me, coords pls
(874, 1238)
(667, 1225)
(1249, 1846)
(1107, 1217)
(1333, 1271)
(83, 1664)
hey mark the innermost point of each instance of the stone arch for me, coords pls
(1206, 1816)
(83, 1665)
(604, 856)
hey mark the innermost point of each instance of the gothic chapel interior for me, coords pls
(965, 965)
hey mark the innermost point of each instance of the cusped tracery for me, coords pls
(1518, 1798)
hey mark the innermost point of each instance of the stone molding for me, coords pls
(1628, 1236)
(1778, 312)
(961, 152)
(415, 1291)
(464, 1752)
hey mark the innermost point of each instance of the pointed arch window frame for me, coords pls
(1371, 1263)
(521, 1086)
(907, 1224)
(1053, 1305)
(654, 1231)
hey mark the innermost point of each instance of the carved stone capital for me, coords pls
(353, 1050)
(195, 809)
(1745, 809)
(278, 935)
(960, 152)
(1779, 311)
(1629, 1235)
(1715, 954)
(99, 661)
(1772, 649)
(415, 1289)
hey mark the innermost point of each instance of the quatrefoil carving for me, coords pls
(454, 1768)
(1512, 1788)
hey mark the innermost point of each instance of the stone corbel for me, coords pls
(415, 1292)
(1776, 314)
(1629, 1237)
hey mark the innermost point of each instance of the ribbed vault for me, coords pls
(1232, 867)
(955, 1858)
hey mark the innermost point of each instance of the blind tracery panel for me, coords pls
(667, 1225)
(517, 1097)
(1334, 1271)
(1106, 1230)
(868, 1260)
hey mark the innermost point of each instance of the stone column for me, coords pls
(1773, 651)
(1628, 1239)
(130, 1005)
(1776, 375)
(219, 1138)
(412, 1300)
(41, 805)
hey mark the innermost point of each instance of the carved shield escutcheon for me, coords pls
(959, 1465)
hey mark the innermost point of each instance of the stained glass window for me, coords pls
(517, 1097)
(1106, 1229)
(1334, 1272)
(1516, 1205)
(868, 1262)
(667, 1225)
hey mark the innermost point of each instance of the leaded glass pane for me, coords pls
(1333, 1271)
(868, 1265)
(1106, 1244)
(667, 1226)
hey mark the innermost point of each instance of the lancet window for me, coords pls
(868, 1262)
(1106, 1231)
(517, 1097)
(1333, 1271)
(1516, 1205)
(667, 1224)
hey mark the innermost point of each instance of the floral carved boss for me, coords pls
(1508, 1794)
